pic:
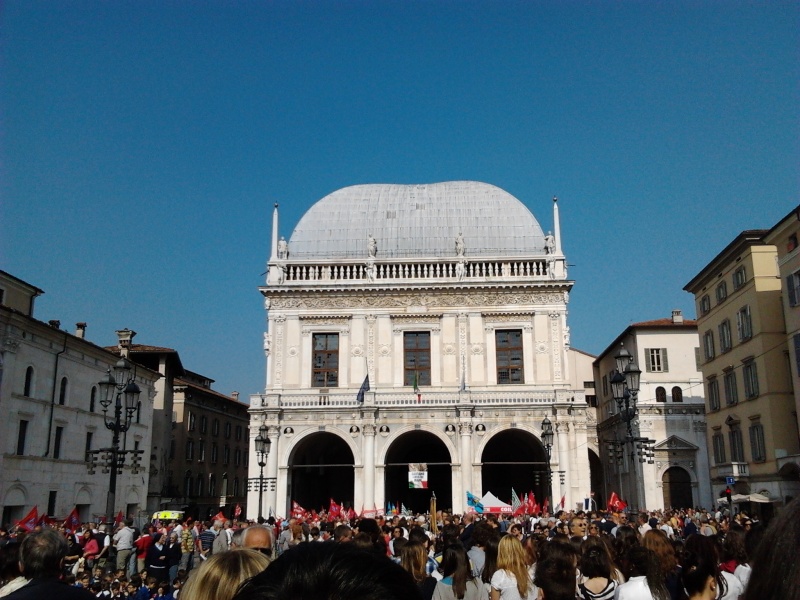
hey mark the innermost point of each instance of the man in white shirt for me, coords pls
(123, 541)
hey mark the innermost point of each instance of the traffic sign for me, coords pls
(729, 480)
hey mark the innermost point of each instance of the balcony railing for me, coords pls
(538, 269)
(340, 399)
(737, 470)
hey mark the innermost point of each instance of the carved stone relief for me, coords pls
(441, 299)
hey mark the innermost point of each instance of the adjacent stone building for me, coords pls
(671, 413)
(49, 399)
(419, 324)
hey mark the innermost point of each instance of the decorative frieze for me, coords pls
(441, 299)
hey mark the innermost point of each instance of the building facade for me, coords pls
(419, 325)
(207, 468)
(49, 397)
(671, 413)
(752, 426)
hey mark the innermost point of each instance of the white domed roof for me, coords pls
(417, 221)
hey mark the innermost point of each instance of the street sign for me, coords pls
(729, 480)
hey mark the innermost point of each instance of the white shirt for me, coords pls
(505, 582)
(735, 587)
(635, 589)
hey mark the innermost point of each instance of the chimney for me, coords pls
(54, 323)
(80, 330)
(125, 337)
(235, 396)
(677, 316)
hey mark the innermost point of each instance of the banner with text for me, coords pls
(417, 476)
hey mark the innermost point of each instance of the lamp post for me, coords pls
(121, 390)
(263, 444)
(625, 389)
(547, 440)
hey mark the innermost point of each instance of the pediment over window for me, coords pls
(674, 443)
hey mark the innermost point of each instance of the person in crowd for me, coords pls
(220, 576)
(511, 581)
(260, 538)
(156, 559)
(174, 554)
(645, 578)
(91, 549)
(10, 577)
(657, 541)
(734, 555)
(699, 577)
(556, 572)
(596, 570)
(458, 582)
(775, 575)
(413, 558)
(307, 571)
(728, 586)
(41, 555)
(342, 533)
(123, 542)
(481, 533)
(489, 565)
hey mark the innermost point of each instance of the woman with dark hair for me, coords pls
(596, 570)
(699, 577)
(645, 579)
(734, 556)
(657, 541)
(90, 549)
(489, 564)
(457, 583)
(775, 574)
(556, 572)
(728, 587)
(10, 577)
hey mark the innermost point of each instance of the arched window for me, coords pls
(28, 389)
(187, 484)
(224, 490)
(236, 486)
(677, 394)
(92, 398)
(212, 485)
(661, 394)
(62, 394)
(199, 487)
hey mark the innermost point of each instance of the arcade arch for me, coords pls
(418, 446)
(514, 458)
(321, 467)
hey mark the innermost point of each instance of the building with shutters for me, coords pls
(671, 407)
(751, 413)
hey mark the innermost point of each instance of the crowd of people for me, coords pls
(672, 555)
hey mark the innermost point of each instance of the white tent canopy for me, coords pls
(492, 504)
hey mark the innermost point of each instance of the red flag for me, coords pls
(220, 516)
(536, 508)
(546, 505)
(563, 500)
(530, 503)
(73, 521)
(118, 519)
(29, 521)
(614, 502)
(351, 514)
(237, 512)
(298, 511)
(333, 509)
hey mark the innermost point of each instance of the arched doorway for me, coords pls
(418, 447)
(597, 480)
(677, 486)
(321, 467)
(514, 459)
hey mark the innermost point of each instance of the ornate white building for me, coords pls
(450, 300)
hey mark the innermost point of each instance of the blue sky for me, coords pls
(142, 145)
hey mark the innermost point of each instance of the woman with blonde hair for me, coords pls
(511, 581)
(219, 577)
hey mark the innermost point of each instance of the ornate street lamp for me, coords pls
(119, 389)
(263, 444)
(547, 441)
